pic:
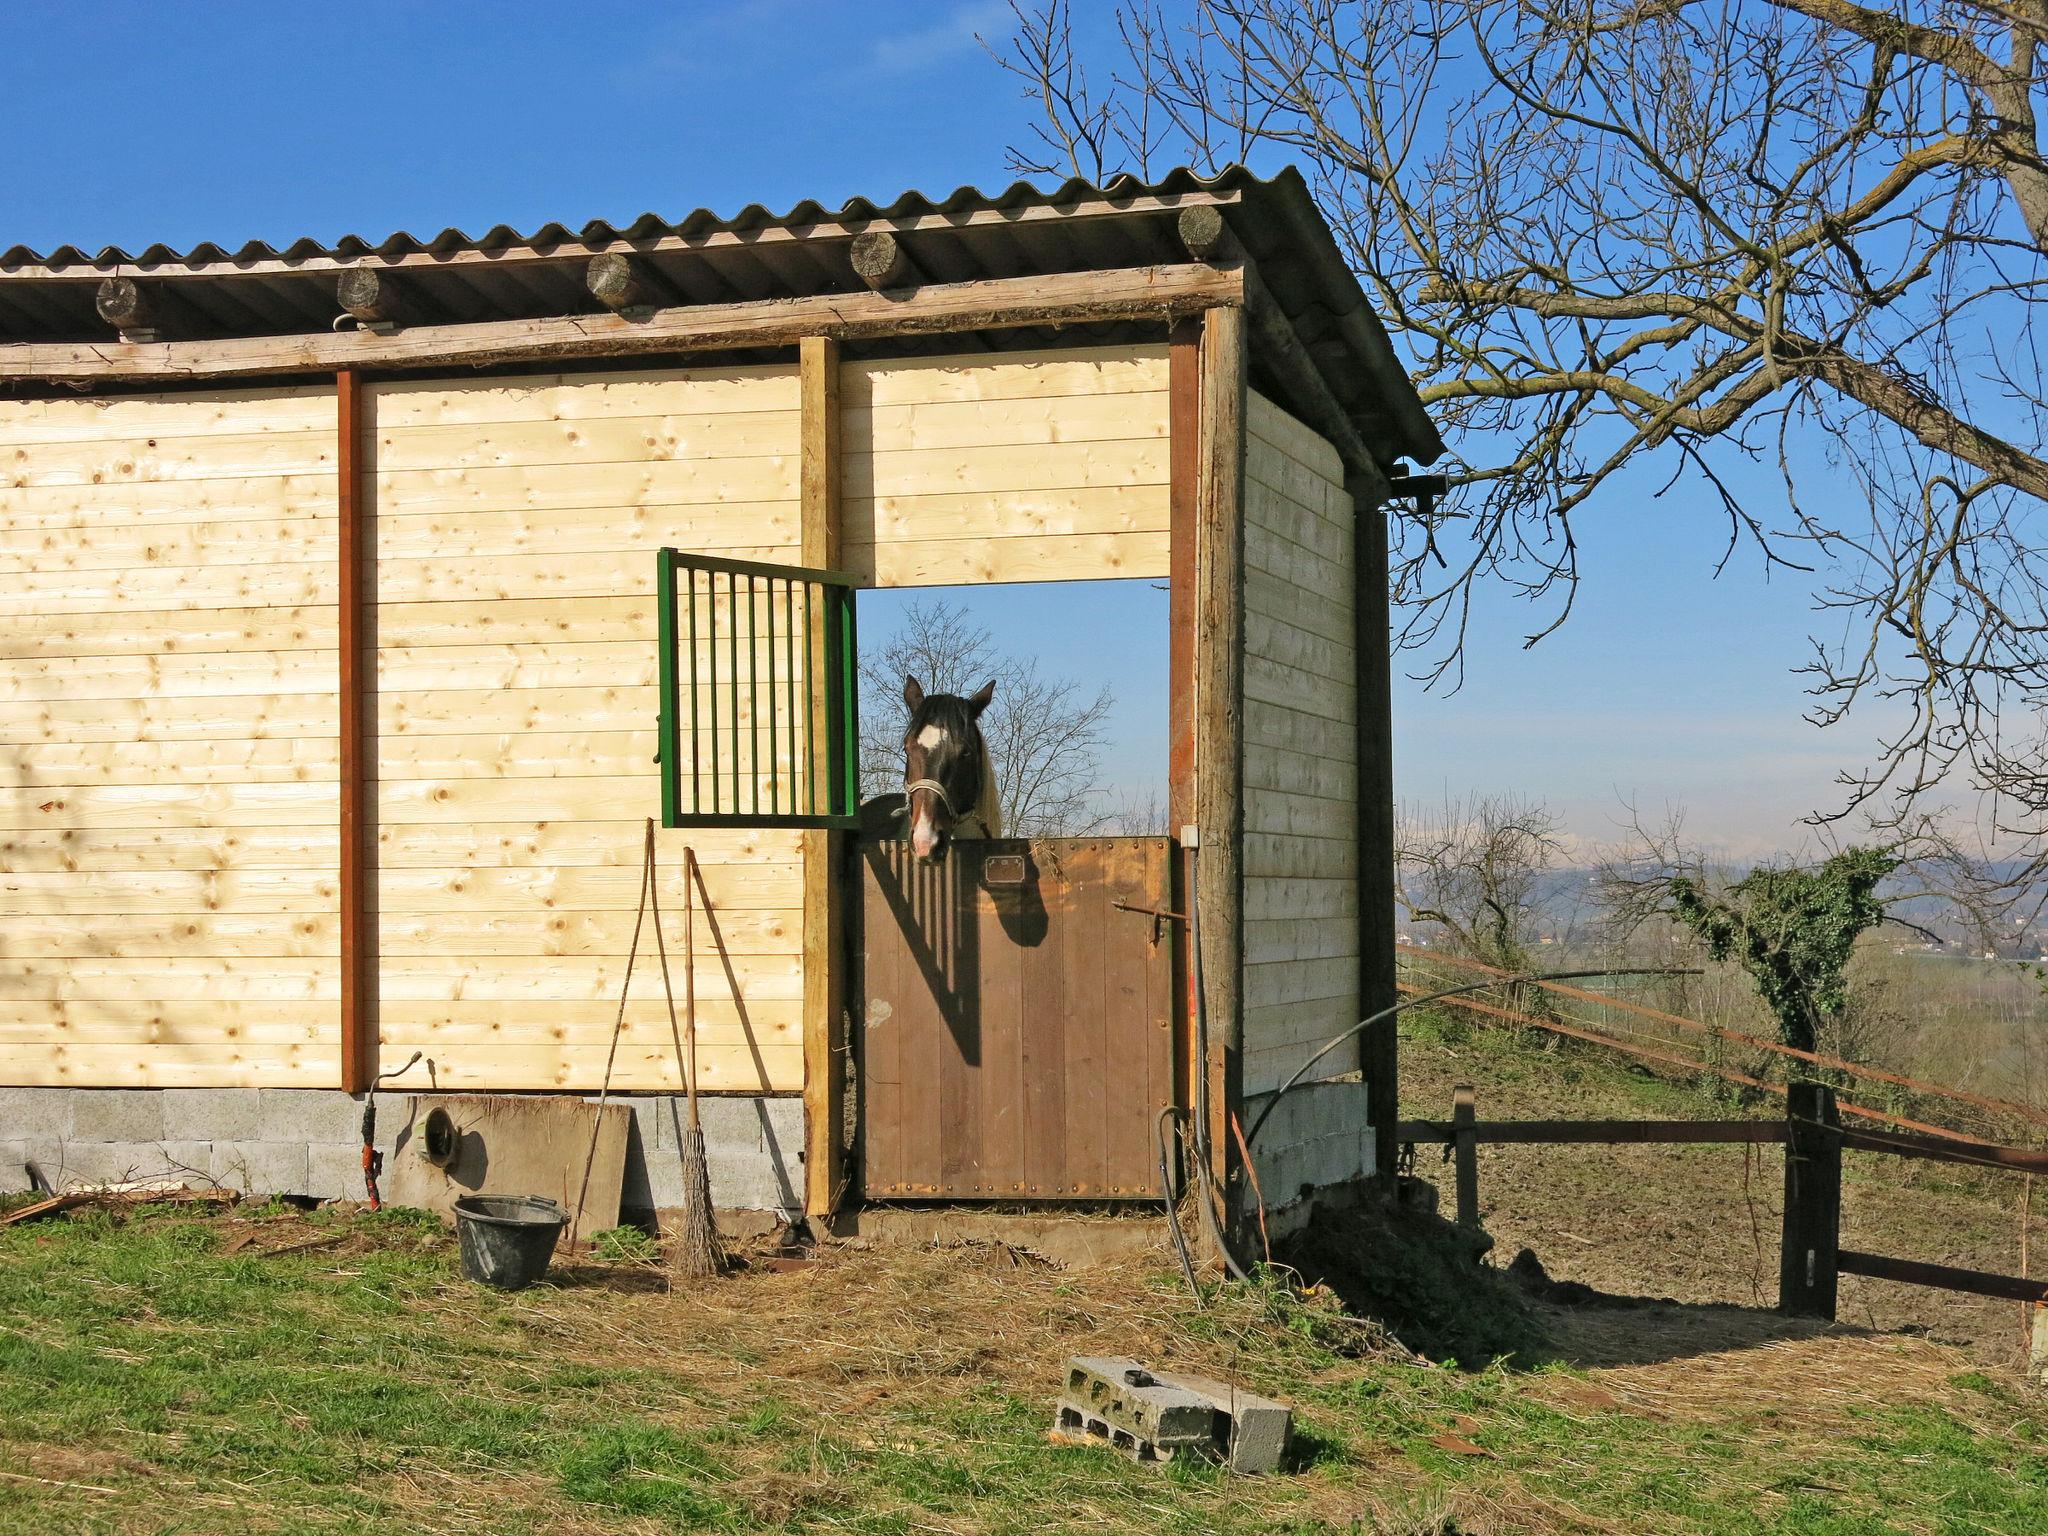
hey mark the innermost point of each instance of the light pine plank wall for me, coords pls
(168, 741)
(1046, 466)
(1301, 977)
(168, 722)
(515, 524)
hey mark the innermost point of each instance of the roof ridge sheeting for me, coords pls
(699, 221)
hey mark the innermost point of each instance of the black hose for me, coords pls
(1180, 1238)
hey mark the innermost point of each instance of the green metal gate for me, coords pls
(758, 687)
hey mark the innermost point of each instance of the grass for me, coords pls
(168, 1372)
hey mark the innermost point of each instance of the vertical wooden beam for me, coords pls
(1219, 719)
(825, 960)
(1184, 460)
(1379, 1049)
(358, 1034)
(1809, 1246)
(1465, 1152)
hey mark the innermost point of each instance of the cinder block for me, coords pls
(117, 1114)
(731, 1122)
(46, 1153)
(655, 1118)
(754, 1185)
(261, 1167)
(1258, 1426)
(104, 1162)
(14, 1167)
(1128, 1397)
(308, 1115)
(336, 1173)
(26, 1113)
(189, 1161)
(213, 1114)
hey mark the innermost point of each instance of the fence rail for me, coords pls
(1811, 1256)
(1416, 957)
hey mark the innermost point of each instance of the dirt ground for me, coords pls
(1700, 1224)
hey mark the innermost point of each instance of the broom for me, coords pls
(696, 1251)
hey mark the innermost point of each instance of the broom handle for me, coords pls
(690, 878)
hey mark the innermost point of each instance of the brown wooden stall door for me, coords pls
(1017, 1030)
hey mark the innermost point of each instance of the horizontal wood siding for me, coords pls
(168, 741)
(1301, 976)
(169, 722)
(515, 528)
(1046, 466)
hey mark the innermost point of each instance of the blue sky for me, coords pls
(134, 123)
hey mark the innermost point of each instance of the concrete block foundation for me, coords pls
(307, 1142)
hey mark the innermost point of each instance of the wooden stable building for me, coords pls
(333, 673)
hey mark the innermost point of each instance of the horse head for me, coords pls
(946, 776)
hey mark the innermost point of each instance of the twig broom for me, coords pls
(695, 1251)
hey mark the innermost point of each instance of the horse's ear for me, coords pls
(913, 694)
(980, 701)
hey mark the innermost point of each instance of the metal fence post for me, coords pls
(1811, 1241)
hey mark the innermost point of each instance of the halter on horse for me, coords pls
(948, 783)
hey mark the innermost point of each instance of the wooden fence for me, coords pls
(1810, 1255)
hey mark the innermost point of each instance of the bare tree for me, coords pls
(1045, 735)
(1680, 236)
(1476, 869)
(1137, 813)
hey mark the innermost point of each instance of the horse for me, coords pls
(949, 785)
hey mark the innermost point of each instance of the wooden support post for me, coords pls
(1811, 1239)
(1219, 734)
(358, 958)
(2037, 1344)
(826, 1055)
(881, 260)
(1379, 1049)
(1184, 459)
(375, 298)
(1465, 1152)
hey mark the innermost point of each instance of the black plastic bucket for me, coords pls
(507, 1240)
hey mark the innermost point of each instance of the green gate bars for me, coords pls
(758, 692)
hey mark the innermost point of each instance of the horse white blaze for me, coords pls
(924, 831)
(924, 835)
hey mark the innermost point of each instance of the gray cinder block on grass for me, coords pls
(1258, 1426)
(1125, 1395)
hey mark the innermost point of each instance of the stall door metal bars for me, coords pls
(758, 688)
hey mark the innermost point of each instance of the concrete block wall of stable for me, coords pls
(308, 1142)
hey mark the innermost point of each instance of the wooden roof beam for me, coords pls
(377, 299)
(627, 284)
(143, 312)
(1157, 295)
(882, 261)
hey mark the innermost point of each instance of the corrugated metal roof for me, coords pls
(599, 234)
(705, 257)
